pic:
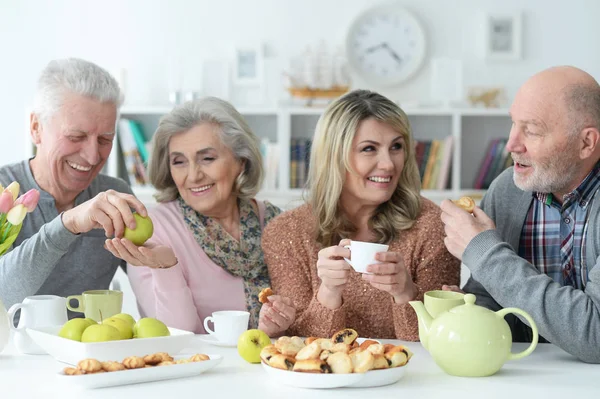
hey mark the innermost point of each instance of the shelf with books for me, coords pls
(465, 135)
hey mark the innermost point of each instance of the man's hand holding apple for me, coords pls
(109, 210)
(276, 315)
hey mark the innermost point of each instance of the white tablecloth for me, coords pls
(547, 373)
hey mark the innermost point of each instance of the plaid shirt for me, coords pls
(553, 236)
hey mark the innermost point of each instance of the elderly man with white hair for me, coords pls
(60, 249)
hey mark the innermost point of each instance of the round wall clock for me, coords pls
(385, 45)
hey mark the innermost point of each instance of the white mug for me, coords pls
(36, 311)
(362, 254)
(229, 325)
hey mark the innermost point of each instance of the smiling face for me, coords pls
(376, 159)
(72, 145)
(204, 169)
(546, 155)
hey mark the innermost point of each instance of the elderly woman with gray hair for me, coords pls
(205, 254)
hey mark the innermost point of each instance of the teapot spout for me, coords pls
(425, 320)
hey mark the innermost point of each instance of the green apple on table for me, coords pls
(142, 232)
(100, 333)
(149, 327)
(74, 328)
(251, 343)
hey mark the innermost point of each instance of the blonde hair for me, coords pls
(330, 159)
(235, 134)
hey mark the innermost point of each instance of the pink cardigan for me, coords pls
(185, 294)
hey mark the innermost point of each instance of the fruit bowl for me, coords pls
(71, 352)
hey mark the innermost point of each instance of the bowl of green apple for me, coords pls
(116, 337)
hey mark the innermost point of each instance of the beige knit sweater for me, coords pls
(291, 251)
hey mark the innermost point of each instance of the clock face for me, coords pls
(385, 45)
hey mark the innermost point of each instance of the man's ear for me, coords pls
(35, 128)
(590, 142)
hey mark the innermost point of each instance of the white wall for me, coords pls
(142, 36)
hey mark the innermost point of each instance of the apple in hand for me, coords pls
(125, 329)
(142, 232)
(251, 343)
(74, 328)
(149, 327)
(100, 333)
(125, 316)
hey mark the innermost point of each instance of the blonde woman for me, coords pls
(363, 185)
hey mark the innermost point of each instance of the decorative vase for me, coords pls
(4, 327)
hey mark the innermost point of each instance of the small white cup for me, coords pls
(229, 325)
(36, 311)
(362, 254)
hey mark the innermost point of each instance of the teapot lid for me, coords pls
(470, 307)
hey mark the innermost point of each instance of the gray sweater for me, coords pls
(46, 258)
(567, 317)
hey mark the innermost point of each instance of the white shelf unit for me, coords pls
(472, 128)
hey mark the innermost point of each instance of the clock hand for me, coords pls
(392, 53)
(373, 48)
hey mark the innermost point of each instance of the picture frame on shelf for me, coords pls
(248, 65)
(503, 35)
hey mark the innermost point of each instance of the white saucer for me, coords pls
(209, 339)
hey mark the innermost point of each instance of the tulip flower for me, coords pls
(29, 199)
(6, 202)
(13, 188)
(1, 188)
(16, 215)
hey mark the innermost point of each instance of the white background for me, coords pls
(149, 39)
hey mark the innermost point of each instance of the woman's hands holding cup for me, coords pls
(334, 273)
(276, 315)
(392, 276)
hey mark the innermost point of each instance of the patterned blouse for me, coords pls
(243, 258)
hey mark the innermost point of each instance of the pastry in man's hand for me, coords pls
(465, 203)
(264, 294)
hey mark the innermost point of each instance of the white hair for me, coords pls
(73, 75)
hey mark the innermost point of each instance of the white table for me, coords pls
(547, 373)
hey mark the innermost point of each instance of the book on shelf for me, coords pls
(299, 161)
(135, 166)
(496, 159)
(270, 156)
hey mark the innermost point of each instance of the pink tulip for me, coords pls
(6, 201)
(29, 199)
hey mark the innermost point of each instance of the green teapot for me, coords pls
(469, 340)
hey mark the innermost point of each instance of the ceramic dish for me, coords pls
(136, 376)
(209, 339)
(71, 352)
(373, 378)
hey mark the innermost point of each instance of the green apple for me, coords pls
(142, 232)
(92, 321)
(74, 328)
(125, 316)
(125, 329)
(149, 327)
(100, 333)
(251, 343)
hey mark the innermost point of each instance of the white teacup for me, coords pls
(36, 311)
(228, 324)
(362, 254)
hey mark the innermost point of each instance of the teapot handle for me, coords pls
(504, 312)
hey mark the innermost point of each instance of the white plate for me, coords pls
(373, 378)
(135, 376)
(209, 339)
(69, 351)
